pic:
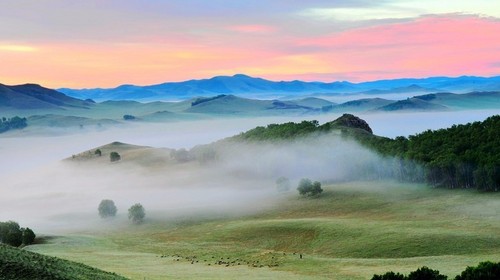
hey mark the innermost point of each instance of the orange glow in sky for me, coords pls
(86, 44)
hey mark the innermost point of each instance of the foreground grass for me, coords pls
(352, 231)
(21, 264)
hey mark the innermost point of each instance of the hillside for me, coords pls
(32, 96)
(20, 264)
(464, 101)
(412, 104)
(360, 105)
(230, 104)
(142, 155)
(352, 231)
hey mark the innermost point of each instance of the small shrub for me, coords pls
(114, 156)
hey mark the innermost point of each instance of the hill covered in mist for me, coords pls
(463, 156)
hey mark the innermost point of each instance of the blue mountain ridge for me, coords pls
(247, 86)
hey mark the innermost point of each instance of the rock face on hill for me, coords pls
(352, 121)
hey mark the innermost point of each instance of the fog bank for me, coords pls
(40, 191)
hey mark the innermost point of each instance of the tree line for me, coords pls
(462, 156)
(16, 122)
(483, 271)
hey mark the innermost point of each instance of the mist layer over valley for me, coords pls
(43, 191)
(54, 195)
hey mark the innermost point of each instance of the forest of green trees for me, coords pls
(462, 156)
(12, 123)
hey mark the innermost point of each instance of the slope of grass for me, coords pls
(352, 231)
(21, 264)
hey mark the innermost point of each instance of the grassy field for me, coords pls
(351, 232)
(21, 264)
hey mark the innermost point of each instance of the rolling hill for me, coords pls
(412, 104)
(32, 96)
(25, 265)
(488, 99)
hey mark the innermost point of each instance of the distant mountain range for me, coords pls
(246, 86)
(36, 97)
(47, 107)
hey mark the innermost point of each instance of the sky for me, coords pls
(94, 43)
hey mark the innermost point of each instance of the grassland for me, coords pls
(21, 264)
(351, 232)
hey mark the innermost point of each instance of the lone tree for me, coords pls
(98, 152)
(136, 213)
(114, 156)
(283, 184)
(306, 187)
(107, 208)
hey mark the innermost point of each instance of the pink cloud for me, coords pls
(435, 45)
(252, 28)
(450, 45)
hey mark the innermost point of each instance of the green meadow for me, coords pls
(352, 231)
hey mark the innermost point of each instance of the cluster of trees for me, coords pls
(483, 271)
(309, 188)
(283, 131)
(107, 209)
(128, 117)
(462, 156)
(12, 234)
(12, 123)
(290, 130)
(306, 187)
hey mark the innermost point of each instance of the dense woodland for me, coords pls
(462, 156)
(12, 123)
